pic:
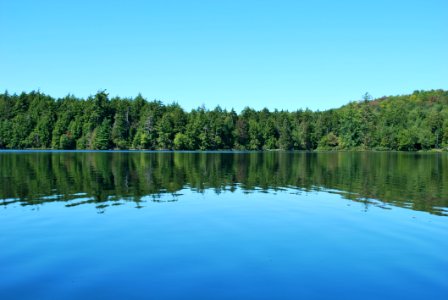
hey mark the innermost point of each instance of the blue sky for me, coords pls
(275, 54)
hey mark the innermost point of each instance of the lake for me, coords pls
(223, 225)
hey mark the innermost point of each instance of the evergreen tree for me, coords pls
(101, 136)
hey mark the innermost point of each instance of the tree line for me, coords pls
(34, 120)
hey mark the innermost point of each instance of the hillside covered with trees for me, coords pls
(37, 121)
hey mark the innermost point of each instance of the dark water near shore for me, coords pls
(275, 225)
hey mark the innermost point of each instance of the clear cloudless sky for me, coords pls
(275, 54)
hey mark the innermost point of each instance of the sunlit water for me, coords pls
(95, 225)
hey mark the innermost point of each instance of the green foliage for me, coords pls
(181, 142)
(66, 141)
(285, 141)
(101, 136)
(34, 120)
(329, 141)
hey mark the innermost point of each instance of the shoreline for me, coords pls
(445, 150)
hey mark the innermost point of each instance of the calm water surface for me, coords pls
(276, 225)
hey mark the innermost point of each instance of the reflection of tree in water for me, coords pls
(416, 181)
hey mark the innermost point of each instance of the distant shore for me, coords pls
(416, 122)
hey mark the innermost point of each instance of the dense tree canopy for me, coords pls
(34, 120)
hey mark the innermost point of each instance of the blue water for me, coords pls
(276, 244)
(223, 225)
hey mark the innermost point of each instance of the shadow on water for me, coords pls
(410, 180)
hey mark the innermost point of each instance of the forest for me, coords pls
(34, 120)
